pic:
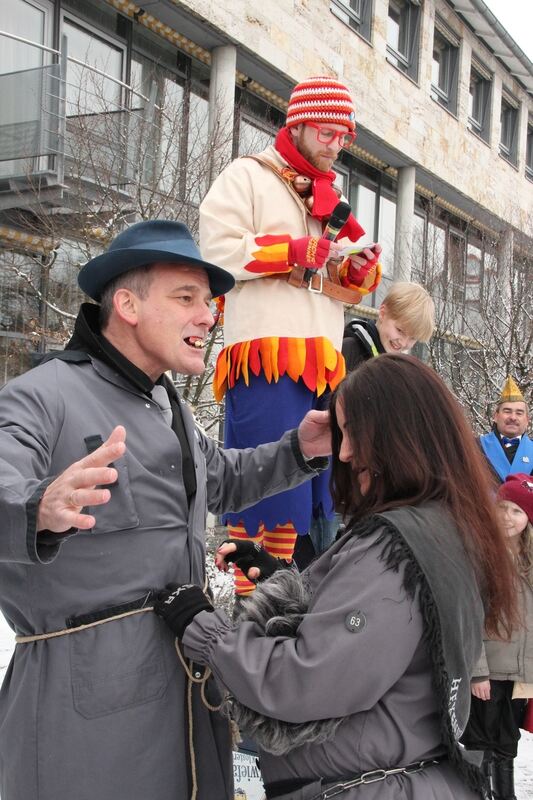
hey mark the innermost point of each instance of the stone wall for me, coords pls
(302, 37)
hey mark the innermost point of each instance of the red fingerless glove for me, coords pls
(357, 275)
(309, 251)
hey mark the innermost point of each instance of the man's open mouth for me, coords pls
(195, 341)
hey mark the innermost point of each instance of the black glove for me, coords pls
(250, 554)
(178, 605)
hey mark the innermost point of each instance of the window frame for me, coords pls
(358, 20)
(509, 125)
(445, 91)
(47, 9)
(529, 150)
(481, 126)
(107, 38)
(408, 29)
(261, 126)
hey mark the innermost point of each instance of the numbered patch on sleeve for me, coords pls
(355, 621)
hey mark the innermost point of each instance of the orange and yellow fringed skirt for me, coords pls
(313, 360)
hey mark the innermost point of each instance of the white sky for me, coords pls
(516, 16)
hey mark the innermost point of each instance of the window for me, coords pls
(386, 233)
(529, 151)
(342, 179)
(364, 202)
(355, 13)
(457, 267)
(29, 21)
(479, 101)
(509, 129)
(435, 280)
(402, 36)
(168, 156)
(444, 67)
(253, 137)
(474, 274)
(158, 123)
(197, 146)
(90, 91)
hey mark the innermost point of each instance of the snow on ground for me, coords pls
(523, 764)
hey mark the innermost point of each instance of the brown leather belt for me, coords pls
(319, 284)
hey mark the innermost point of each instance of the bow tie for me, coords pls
(508, 442)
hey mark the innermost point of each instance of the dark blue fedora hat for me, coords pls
(147, 243)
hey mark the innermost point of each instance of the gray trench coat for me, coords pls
(100, 715)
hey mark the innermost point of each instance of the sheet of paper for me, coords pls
(353, 249)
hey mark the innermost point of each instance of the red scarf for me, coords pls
(324, 197)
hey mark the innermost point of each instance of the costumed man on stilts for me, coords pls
(507, 448)
(265, 219)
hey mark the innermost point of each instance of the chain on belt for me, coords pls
(373, 777)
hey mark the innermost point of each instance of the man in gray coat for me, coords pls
(96, 704)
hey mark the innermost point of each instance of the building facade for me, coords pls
(113, 112)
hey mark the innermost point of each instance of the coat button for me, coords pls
(147, 405)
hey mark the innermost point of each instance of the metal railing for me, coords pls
(75, 121)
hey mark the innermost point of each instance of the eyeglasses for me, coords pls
(328, 135)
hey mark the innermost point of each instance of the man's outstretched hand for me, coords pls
(61, 504)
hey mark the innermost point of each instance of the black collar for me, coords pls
(88, 338)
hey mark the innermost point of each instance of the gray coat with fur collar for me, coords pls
(359, 656)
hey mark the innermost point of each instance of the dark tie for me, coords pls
(510, 442)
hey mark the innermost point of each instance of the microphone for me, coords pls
(337, 221)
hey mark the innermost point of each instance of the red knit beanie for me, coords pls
(519, 489)
(321, 99)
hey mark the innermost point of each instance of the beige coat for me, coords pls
(249, 200)
(512, 661)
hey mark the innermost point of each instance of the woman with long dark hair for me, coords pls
(354, 677)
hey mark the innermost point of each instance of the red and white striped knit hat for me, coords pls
(321, 99)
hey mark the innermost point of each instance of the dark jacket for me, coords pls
(360, 342)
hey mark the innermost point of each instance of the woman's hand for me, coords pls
(178, 606)
(249, 557)
(481, 689)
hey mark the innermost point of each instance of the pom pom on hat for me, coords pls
(321, 99)
(518, 489)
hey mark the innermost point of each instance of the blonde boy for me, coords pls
(406, 316)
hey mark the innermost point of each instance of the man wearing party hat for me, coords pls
(265, 221)
(508, 448)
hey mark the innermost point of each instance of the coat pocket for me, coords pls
(117, 665)
(503, 657)
(120, 513)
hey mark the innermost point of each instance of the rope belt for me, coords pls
(39, 637)
(373, 777)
